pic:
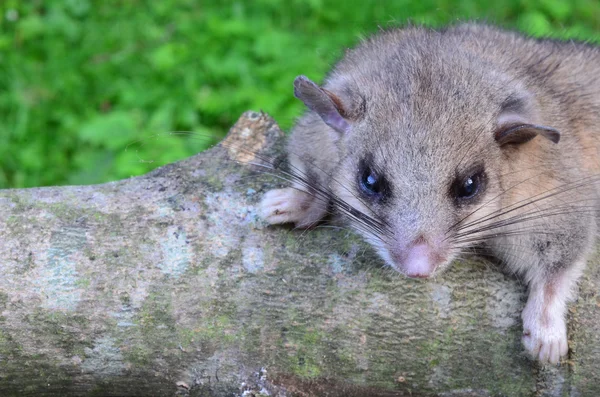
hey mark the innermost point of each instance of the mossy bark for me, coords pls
(170, 284)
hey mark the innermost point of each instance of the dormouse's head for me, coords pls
(423, 129)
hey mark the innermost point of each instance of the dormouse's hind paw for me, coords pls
(291, 205)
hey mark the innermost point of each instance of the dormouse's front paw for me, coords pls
(291, 205)
(545, 337)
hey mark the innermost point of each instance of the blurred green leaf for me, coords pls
(558, 10)
(103, 161)
(78, 8)
(113, 130)
(536, 23)
(31, 27)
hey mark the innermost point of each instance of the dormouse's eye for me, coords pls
(469, 186)
(370, 183)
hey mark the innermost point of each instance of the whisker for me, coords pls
(523, 218)
(529, 201)
(491, 200)
(362, 221)
(346, 209)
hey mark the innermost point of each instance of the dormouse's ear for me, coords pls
(325, 103)
(514, 125)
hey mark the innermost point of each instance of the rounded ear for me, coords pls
(323, 102)
(514, 125)
(521, 133)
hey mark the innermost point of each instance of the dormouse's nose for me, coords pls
(418, 259)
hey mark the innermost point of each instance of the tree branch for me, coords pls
(169, 284)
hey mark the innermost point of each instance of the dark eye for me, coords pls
(372, 184)
(468, 187)
(369, 183)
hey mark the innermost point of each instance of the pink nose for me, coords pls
(418, 262)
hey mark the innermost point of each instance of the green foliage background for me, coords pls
(89, 90)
